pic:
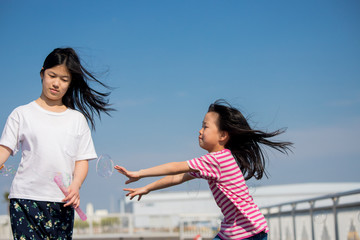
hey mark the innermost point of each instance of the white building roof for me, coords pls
(173, 202)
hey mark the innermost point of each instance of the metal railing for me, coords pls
(317, 217)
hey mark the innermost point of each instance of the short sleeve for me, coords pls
(10, 134)
(207, 167)
(86, 148)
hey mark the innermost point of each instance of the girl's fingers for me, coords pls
(72, 199)
(132, 193)
(73, 202)
(128, 181)
(119, 168)
(77, 203)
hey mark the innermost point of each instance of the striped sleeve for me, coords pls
(206, 167)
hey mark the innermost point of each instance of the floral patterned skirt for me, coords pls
(38, 220)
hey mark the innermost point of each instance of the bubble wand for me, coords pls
(59, 182)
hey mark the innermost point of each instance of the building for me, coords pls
(170, 202)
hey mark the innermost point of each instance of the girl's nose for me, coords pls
(55, 83)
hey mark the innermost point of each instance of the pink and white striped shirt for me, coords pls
(242, 217)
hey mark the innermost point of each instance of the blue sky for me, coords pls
(284, 63)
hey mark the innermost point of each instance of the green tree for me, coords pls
(81, 224)
(110, 221)
(6, 199)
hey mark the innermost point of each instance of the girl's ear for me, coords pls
(42, 73)
(224, 136)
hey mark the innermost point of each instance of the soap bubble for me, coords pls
(251, 188)
(66, 177)
(104, 166)
(44, 173)
(7, 170)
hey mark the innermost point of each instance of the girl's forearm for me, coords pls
(172, 168)
(168, 181)
(5, 153)
(80, 172)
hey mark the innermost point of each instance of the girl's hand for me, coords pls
(133, 192)
(133, 176)
(73, 197)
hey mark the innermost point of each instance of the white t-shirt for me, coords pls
(51, 143)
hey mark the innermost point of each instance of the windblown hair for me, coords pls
(246, 143)
(79, 95)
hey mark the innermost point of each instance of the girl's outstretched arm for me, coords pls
(164, 182)
(5, 153)
(172, 168)
(80, 173)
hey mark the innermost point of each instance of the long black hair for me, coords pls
(244, 142)
(79, 95)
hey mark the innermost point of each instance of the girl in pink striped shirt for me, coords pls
(234, 156)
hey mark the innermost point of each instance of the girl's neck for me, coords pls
(217, 149)
(49, 105)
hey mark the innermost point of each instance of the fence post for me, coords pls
(131, 223)
(181, 230)
(293, 206)
(312, 203)
(280, 232)
(335, 203)
(267, 217)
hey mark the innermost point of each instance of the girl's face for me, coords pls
(55, 82)
(211, 138)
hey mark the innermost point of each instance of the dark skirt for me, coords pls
(38, 220)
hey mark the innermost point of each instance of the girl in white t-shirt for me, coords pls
(234, 156)
(53, 135)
